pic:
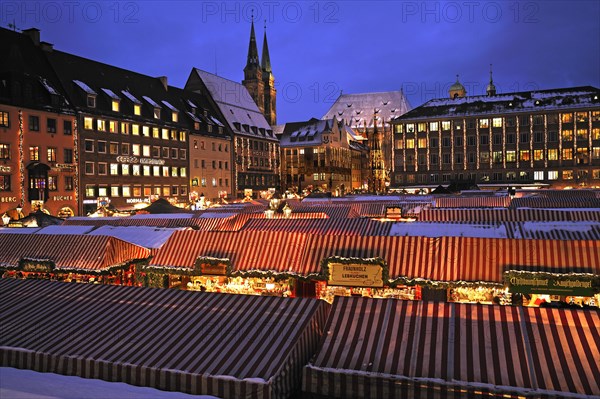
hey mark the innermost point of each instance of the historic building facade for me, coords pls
(324, 155)
(370, 115)
(536, 138)
(38, 168)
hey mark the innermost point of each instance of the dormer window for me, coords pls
(156, 113)
(196, 125)
(137, 109)
(175, 116)
(91, 101)
(115, 105)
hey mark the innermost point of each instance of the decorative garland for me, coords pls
(195, 271)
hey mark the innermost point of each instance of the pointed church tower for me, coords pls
(270, 94)
(253, 78)
(491, 88)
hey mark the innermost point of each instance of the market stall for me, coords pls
(441, 350)
(229, 346)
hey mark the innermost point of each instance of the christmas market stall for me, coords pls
(256, 263)
(419, 349)
(228, 346)
(80, 258)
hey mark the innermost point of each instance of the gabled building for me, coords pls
(534, 138)
(370, 115)
(324, 154)
(255, 148)
(38, 136)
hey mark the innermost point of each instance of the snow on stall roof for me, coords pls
(422, 229)
(145, 236)
(216, 215)
(162, 216)
(131, 97)
(578, 226)
(66, 229)
(84, 87)
(27, 384)
(23, 230)
(111, 94)
(168, 105)
(151, 102)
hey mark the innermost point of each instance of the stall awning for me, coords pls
(506, 215)
(69, 252)
(354, 226)
(473, 202)
(229, 346)
(392, 348)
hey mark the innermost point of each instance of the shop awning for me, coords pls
(505, 215)
(229, 346)
(354, 226)
(391, 349)
(473, 202)
(251, 250)
(69, 252)
(556, 202)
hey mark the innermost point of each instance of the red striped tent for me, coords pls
(354, 226)
(504, 215)
(230, 346)
(69, 252)
(555, 202)
(376, 348)
(247, 251)
(458, 258)
(473, 202)
(558, 230)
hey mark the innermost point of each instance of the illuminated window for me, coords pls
(135, 129)
(174, 171)
(595, 116)
(567, 174)
(582, 134)
(497, 156)
(4, 119)
(51, 153)
(398, 128)
(145, 131)
(113, 127)
(114, 191)
(156, 171)
(553, 154)
(165, 171)
(511, 156)
(433, 126)
(552, 175)
(421, 127)
(595, 174)
(34, 153)
(410, 128)
(115, 105)
(135, 170)
(484, 123)
(125, 169)
(4, 151)
(538, 155)
(183, 171)
(124, 128)
(137, 109)
(135, 150)
(410, 143)
(146, 151)
(567, 154)
(596, 133)
(582, 117)
(422, 142)
(101, 125)
(566, 118)
(567, 135)
(484, 157)
(175, 117)
(445, 125)
(497, 122)
(156, 113)
(146, 170)
(126, 191)
(596, 152)
(183, 138)
(114, 169)
(90, 191)
(214, 182)
(156, 132)
(52, 183)
(524, 155)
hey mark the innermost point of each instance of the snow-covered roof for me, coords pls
(162, 216)
(422, 229)
(144, 236)
(13, 230)
(48, 86)
(131, 97)
(111, 94)
(151, 102)
(194, 117)
(84, 87)
(235, 103)
(531, 101)
(168, 105)
(358, 110)
(65, 229)
(191, 104)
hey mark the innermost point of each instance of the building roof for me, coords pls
(358, 110)
(236, 105)
(310, 133)
(527, 101)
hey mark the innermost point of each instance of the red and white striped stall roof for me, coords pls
(505, 215)
(458, 258)
(230, 346)
(555, 202)
(473, 202)
(252, 250)
(557, 230)
(79, 252)
(394, 349)
(355, 226)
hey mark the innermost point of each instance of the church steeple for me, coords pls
(266, 59)
(253, 76)
(491, 88)
(252, 49)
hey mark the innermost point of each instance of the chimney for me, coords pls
(34, 35)
(163, 80)
(48, 47)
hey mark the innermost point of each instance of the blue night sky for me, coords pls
(320, 48)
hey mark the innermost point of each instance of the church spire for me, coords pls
(252, 48)
(491, 88)
(266, 59)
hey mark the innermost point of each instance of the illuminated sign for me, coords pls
(8, 199)
(355, 275)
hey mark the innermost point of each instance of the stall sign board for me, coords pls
(219, 269)
(355, 275)
(550, 285)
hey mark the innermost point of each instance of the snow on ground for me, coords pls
(27, 384)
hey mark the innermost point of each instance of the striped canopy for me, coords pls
(473, 202)
(391, 349)
(69, 252)
(230, 346)
(506, 215)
